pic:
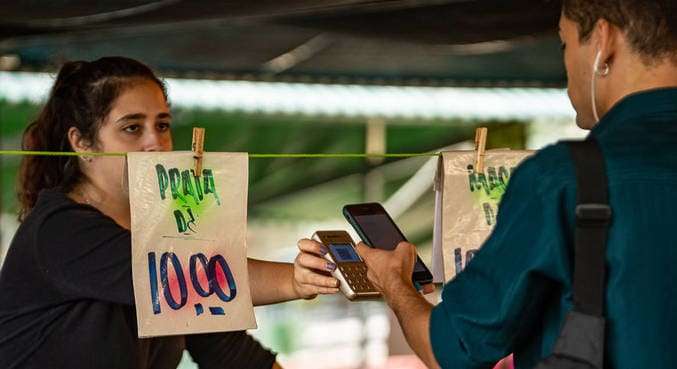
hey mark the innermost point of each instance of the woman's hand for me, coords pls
(312, 272)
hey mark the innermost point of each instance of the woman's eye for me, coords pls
(132, 129)
(562, 46)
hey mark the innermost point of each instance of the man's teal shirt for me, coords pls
(514, 294)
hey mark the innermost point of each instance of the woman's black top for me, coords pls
(66, 300)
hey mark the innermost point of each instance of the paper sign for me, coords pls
(466, 205)
(189, 259)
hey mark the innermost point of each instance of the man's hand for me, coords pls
(389, 271)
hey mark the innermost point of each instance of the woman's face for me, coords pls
(139, 120)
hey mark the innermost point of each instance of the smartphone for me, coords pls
(377, 229)
(350, 269)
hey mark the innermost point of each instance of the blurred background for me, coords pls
(308, 76)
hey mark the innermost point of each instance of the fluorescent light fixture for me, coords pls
(388, 102)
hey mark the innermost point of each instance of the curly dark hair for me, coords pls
(650, 25)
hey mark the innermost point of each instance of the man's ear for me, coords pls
(77, 142)
(605, 39)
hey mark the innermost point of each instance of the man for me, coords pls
(621, 62)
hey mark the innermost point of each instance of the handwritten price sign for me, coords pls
(188, 243)
(466, 205)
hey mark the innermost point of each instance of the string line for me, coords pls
(58, 153)
(255, 156)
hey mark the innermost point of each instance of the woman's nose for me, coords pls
(153, 141)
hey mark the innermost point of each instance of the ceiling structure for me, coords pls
(451, 43)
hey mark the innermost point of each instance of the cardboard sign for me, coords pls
(189, 259)
(466, 205)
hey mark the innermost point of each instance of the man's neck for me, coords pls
(637, 77)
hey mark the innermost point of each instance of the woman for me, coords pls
(66, 282)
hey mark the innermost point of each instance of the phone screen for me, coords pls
(383, 233)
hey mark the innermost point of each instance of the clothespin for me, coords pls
(480, 148)
(198, 148)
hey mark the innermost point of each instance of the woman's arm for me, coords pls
(272, 282)
(229, 350)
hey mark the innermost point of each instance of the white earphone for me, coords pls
(596, 72)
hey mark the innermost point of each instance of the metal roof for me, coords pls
(388, 42)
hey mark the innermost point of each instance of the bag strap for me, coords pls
(581, 340)
(593, 217)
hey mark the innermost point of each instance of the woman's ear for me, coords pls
(77, 142)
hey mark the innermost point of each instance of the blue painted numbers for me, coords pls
(216, 268)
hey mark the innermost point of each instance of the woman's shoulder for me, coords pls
(53, 202)
(58, 219)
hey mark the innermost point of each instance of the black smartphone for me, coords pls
(377, 229)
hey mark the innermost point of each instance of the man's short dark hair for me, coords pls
(650, 25)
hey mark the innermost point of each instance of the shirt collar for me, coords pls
(633, 107)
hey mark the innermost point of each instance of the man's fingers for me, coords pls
(370, 276)
(363, 250)
(407, 247)
(374, 281)
(312, 246)
(406, 250)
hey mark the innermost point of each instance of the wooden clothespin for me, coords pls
(480, 148)
(198, 148)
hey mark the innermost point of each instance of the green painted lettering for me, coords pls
(180, 221)
(162, 179)
(175, 182)
(198, 186)
(503, 175)
(477, 181)
(187, 182)
(489, 214)
(493, 178)
(209, 186)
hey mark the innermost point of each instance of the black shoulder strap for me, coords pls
(593, 217)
